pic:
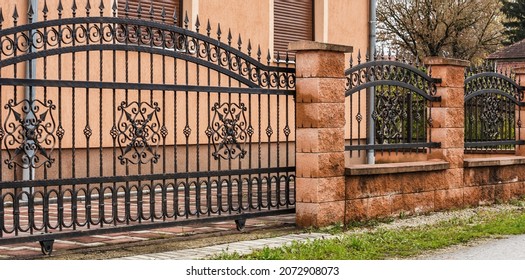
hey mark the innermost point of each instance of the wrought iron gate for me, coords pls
(492, 101)
(111, 123)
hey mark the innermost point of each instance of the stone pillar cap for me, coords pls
(435, 60)
(305, 45)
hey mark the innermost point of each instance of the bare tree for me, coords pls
(465, 29)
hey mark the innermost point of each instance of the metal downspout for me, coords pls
(371, 90)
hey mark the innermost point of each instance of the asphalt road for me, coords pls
(510, 248)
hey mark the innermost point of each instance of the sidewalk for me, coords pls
(93, 242)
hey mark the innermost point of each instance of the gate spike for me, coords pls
(239, 42)
(30, 13)
(88, 7)
(74, 8)
(114, 8)
(1, 17)
(219, 32)
(287, 58)
(358, 57)
(259, 53)
(101, 7)
(269, 57)
(208, 28)
(197, 24)
(249, 47)
(351, 60)
(151, 10)
(139, 10)
(126, 9)
(186, 20)
(382, 53)
(175, 19)
(60, 8)
(367, 55)
(163, 14)
(15, 16)
(229, 37)
(45, 10)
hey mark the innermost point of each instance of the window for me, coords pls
(293, 21)
(170, 6)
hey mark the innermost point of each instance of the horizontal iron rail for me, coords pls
(145, 177)
(393, 83)
(392, 146)
(392, 63)
(142, 226)
(144, 23)
(137, 86)
(494, 143)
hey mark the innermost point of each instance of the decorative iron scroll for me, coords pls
(138, 132)
(28, 133)
(389, 115)
(228, 131)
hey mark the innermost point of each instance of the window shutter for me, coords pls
(170, 7)
(293, 20)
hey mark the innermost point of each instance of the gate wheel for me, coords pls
(47, 246)
(240, 224)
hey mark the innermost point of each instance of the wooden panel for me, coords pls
(293, 20)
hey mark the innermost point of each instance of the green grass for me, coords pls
(400, 243)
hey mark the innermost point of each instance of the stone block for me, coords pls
(450, 179)
(379, 207)
(449, 137)
(448, 199)
(320, 90)
(320, 64)
(413, 203)
(319, 190)
(487, 195)
(451, 97)
(356, 209)
(315, 140)
(320, 115)
(454, 156)
(319, 214)
(448, 118)
(318, 165)
(472, 196)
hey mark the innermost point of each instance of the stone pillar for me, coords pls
(320, 122)
(448, 128)
(520, 113)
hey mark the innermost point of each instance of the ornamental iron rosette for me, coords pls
(28, 133)
(228, 131)
(138, 132)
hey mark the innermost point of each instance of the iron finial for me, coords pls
(219, 32)
(197, 24)
(60, 8)
(114, 8)
(175, 19)
(269, 57)
(151, 10)
(186, 20)
(259, 53)
(88, 7)
(208, 28)
(74, 8)
(101, 7)
(359, 57)
(249, 47)
(1, 17)
(45, 10)
(229, 36)
(139, 9)
(239, 42)
(126, 9)
(15, 16)
(163, 14)
(30, 12)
